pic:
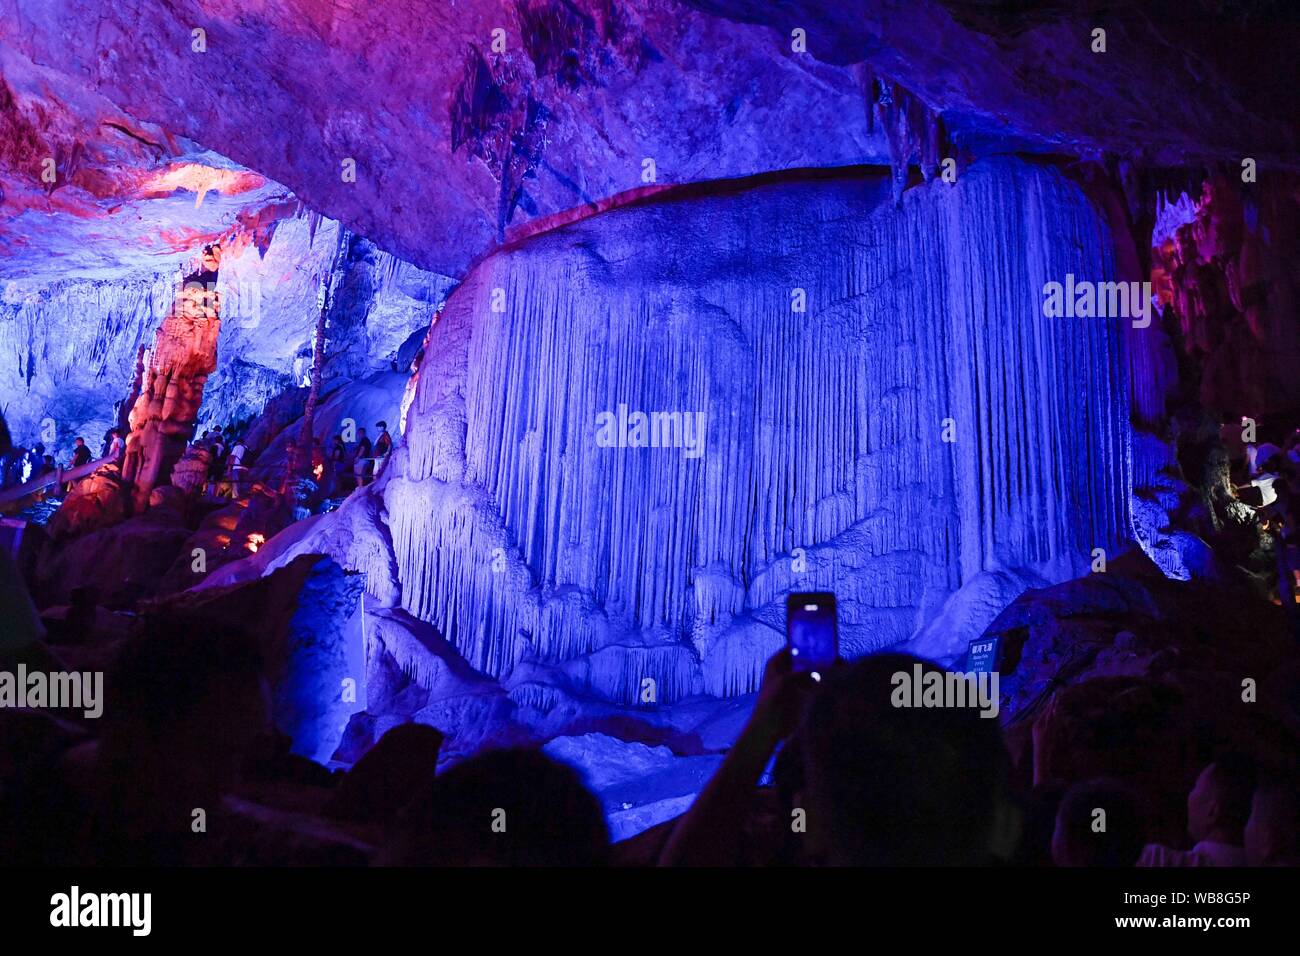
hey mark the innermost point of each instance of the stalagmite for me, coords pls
(183, 356)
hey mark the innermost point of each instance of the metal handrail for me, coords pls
(56, 477)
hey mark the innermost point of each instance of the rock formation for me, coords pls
(183, 356)
(1234, 285)
(455, 130)
(96, 502)
(1130, 675)
(866, 377)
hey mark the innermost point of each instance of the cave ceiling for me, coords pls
(133, 131)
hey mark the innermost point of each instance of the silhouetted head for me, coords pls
(1219, 804)
(379, 785)
(39, 449)
(185, 709)
(382, 426)
(890, 786)
(502, 808)
(78, 441)
(1099, 823)
(1272, 833)
(1274, 463)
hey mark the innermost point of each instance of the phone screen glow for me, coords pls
(811, 631)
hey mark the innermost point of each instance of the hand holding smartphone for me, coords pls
(812, 631)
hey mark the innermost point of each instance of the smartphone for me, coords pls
(812, 631)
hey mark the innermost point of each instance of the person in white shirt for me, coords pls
(237, 467)
(1217, 810)
(1265, 462)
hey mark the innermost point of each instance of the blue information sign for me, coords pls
(982, 656)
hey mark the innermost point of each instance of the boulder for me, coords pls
(123, 563)
(307, 619)
(1132, 675)
(966, 614)
(388, 775)
(190, 473)
(97, 501)
(169, 498)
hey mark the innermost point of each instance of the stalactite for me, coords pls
(56, 370)
(913, 132)
(519, 537)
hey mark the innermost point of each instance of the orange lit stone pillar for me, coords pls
(184, 354)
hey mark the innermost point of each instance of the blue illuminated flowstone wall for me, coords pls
(319, 685)
(887, 414)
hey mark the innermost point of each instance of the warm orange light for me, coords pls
(255, 541)
(318, 471)
(200, 180)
